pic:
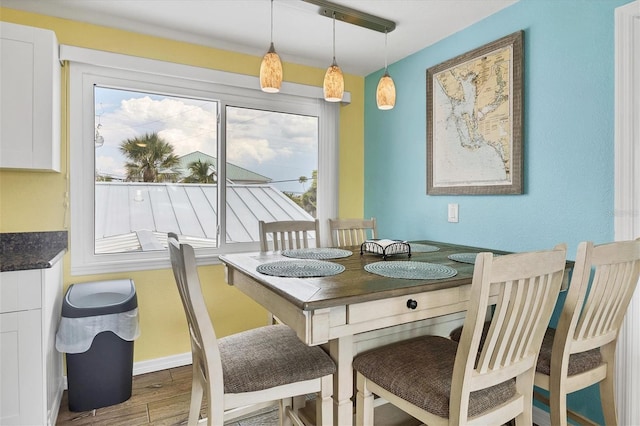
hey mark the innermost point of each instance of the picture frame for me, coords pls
(475, 121)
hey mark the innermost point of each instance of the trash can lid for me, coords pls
(99, 298)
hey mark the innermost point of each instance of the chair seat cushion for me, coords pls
(456, 334)
(419, 371)
(269, 356)
(578, 363)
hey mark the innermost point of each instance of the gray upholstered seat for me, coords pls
(421, 373)
(269, 356)
(578, 363)
(457, 332)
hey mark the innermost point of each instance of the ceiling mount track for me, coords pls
(352, 16)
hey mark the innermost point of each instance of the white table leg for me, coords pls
(341, 351)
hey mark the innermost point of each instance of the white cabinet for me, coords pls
(31, 368)
(29, 98)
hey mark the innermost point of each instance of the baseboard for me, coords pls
(541, 417)
(156, 364)
(164, 363)
(55, 403)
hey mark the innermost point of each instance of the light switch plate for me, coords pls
(452, 214)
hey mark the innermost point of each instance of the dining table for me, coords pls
(350, 300)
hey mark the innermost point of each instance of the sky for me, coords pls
(280, 146)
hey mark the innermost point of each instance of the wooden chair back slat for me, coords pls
(289, 234)
(602, 283)
(524, 306)
(352, 232)
(607, 292)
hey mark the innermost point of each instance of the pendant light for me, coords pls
(333, 86)
(386, 92)
(271, 67)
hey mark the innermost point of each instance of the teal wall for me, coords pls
(567, 146)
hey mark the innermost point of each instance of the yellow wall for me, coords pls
(32, 201)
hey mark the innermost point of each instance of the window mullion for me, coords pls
(222, 175)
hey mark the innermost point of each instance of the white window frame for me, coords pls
(87, 67)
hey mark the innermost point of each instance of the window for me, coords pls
(160, 147)
(283, 149)
(153, 155)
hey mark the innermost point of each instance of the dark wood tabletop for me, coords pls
(355, 285)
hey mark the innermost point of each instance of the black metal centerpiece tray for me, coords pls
(385, 247)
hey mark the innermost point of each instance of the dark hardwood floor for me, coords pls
(162, 399)
(159, 398)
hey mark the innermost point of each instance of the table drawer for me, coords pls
(412, 304)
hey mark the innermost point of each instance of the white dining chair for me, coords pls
(441, 382)
(252, 367)
(347, 232)
(289, 234)
(581, 351)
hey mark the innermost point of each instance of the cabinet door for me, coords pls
(17, 97)
(29, 98)
(20, 290)
(21, 401)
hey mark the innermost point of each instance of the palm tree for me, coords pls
(201, 172)
(294, 197)
(302, 180)
(309, 197)
(151, 157)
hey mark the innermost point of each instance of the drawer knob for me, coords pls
(412, 304)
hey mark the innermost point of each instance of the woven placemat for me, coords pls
(317, 253)
(300, 268)
(410, 270)
(464, 257)
(422, 248)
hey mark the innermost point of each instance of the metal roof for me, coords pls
(235, 173)
(134, 216)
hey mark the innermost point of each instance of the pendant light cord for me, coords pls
(334, 38)
(271, 21)
(385, 49)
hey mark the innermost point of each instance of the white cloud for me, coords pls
(109, 166)
(281, 146)
(180, 122)
(245, 152)
(188, 125)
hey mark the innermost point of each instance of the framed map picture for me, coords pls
(474, 121)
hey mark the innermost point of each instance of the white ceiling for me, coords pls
(300, 34)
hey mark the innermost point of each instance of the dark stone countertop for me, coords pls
(31, 250)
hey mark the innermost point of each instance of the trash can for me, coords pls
(98, 326)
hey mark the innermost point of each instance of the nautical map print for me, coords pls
(472, 108)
